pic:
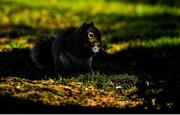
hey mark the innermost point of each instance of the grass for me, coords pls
(138, 70)
(84, 91)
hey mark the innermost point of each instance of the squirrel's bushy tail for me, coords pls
(41, 53)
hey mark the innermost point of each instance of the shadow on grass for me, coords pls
(15, 31)
(18, 63)
(125, 28)
(161, 62)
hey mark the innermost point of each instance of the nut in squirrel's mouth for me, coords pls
(95, 49)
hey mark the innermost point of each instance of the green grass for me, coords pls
(141, 41)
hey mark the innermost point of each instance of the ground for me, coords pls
(137, 73)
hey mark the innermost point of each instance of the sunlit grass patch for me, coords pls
(7, 44)
(117, 47)
(157, 43)
(53, 93)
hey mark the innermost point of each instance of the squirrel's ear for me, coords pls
(83, 26)
(92, 23)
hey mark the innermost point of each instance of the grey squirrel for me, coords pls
(71, 51)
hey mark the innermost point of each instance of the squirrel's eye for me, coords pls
(90, 35)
